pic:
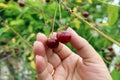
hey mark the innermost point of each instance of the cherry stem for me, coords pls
(90, 25)
(54, 20)
(60, 13)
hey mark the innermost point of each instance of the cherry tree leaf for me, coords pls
(112, 14)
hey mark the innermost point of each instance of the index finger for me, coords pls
(84, 49)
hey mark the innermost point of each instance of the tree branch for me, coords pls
(90, 25)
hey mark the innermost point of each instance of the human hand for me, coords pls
(62, 64)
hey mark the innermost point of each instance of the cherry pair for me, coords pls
(63, 37)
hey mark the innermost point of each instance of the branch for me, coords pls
(90, 25)
(6, 25)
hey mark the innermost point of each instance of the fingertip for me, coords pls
(39, 48)
(69, 28)
(41, 37)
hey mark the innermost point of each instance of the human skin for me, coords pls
(62, 64)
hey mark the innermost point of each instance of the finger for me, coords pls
(51, 57)
(84, 49)
(41, 67)
(62, 51)
(41, 37)
(54, 60)
(39, 48)
(50, 67)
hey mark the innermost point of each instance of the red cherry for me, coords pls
(21, 4)
(4, 54)
(52, 43)
(85, 14)
(64, 37)
(47, 1)
(110, 48)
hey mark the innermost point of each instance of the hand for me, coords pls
(63, 64)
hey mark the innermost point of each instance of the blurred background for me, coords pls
(21, 20)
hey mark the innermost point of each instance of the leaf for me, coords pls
(90, 1)
(46, 30)
(112, 14)
(31, 36)
(1, 31)
(76, 22)
(3, 5)
(115, 74)
(79, 1)
(32, 64)
(31, 57)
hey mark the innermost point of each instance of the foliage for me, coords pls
(19, 26)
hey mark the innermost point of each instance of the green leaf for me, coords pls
(1, 31)
(115, 74)
(112, 14)
(46, 30)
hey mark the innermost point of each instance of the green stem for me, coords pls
(54, 20)
(60, 13)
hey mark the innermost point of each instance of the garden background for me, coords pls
(21, 20)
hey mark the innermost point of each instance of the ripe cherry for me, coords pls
(110, 48)
(21, 4)
(4, 54)
(64, 37)
(52, 43)
(47, 1)
(85, 14)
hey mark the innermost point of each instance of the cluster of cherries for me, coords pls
(9, 52)
(110, 54)
(21, 3)
(5, 53)
(63, 37)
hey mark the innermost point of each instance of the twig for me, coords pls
(6, 25)
(6, 58)
(10, 55)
